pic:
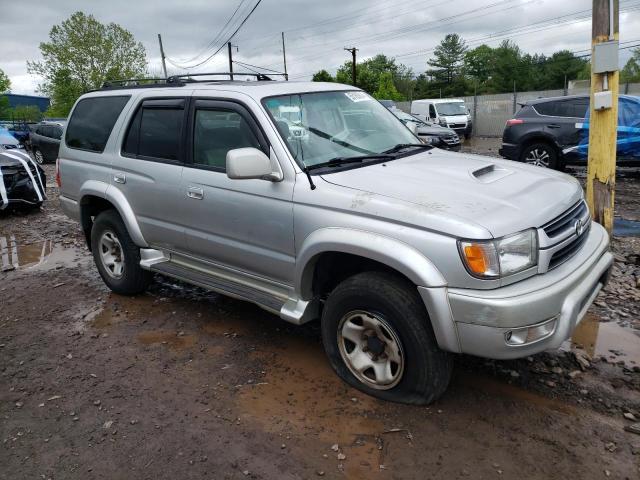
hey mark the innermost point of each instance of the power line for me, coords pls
(227, 40)
(215, 39)
(255, 66)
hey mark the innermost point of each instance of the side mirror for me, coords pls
(248, 163)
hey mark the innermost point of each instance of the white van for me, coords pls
(447, 112)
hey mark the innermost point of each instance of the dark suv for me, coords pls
(45, 141)
(554, 132)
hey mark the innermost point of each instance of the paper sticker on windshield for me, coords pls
(357, 96)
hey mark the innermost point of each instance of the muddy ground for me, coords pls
(182, 383)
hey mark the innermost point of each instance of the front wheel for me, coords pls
(378, 337)
(116, 256)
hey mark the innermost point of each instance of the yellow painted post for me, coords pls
(601, 170)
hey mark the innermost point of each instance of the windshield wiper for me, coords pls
(339, 161)
(402, 146)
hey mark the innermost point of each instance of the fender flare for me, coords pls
(386, 250)
(119, 201)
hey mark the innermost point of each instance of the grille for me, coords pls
(565, 253)
(565, 221)
(450, 140)
(457, 125)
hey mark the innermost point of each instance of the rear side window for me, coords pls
(92, 121)
(547, 108)
(156, 130)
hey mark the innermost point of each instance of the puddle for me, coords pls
(41, 255)
(626, 228)
(607, 339)
(171, 338)
(301, 394)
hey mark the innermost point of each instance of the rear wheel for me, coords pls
(116, 256)
(377, 335)
(37, 154)
(540, 155)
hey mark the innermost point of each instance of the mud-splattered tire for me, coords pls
(381, 315)
(116, 256)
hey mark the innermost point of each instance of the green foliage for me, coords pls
(28, 113)
(81, 55)
(5, 108)
(631, 71)
(5, 83)
(323, 76)
(448, 59)
(369, 74)
(386, 88)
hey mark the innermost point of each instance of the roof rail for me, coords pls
(133, 82)
(188, 78)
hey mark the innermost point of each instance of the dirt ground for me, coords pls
(183, 383)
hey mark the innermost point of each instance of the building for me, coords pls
(26, 100)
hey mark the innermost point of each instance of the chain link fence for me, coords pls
(490, 112)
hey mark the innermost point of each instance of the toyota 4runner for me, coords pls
(405, 253)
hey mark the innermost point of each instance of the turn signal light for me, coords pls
(58, 181)
(476, 258)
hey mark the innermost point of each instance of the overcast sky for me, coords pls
(315, 31)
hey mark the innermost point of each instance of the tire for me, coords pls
(540, 154)
(38, 157)
(116, 256)
(423, 371)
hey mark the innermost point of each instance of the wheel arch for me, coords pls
(96, 197)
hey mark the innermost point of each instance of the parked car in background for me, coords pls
(402, 251)
(22, 182)
(45, 141)
(8, 141)
(554, 132)
(446, 112)
(429, 133)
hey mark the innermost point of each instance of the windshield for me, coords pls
(336, 125)
(451, 108)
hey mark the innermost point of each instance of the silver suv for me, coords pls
(404, 252)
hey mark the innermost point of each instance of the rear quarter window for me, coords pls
(92, 121)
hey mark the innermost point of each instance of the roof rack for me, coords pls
(188, 78)
(133, 82)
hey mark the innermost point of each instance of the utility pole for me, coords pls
(164, 65)
(284, 59)
(230, 60)
(601, 169)
(353, 51)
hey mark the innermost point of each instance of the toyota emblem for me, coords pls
(579, 227)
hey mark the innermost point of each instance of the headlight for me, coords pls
(443, 122)
(430, 140)
(501, 257)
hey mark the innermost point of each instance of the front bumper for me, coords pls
(510, 151)
(484, 319)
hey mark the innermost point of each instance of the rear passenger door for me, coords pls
(246, 225)
(149, 168)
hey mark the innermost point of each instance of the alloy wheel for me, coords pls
(538, 157)
(111, 254)
(371, 349)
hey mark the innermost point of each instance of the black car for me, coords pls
(432, 134)
(45, 141)
(554, 132)
(22, 182)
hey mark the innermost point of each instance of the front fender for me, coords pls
(119, 201)
(389, 251)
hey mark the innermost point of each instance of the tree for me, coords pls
(448, 58)
(478, 64)
(631, 71)
(28, 113)
(5, 83)
(386, 88)
(81, 55)
(323, 76)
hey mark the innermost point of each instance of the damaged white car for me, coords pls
(22, 181)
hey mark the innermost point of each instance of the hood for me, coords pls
(7, 161)
(7, 139)
(451, 190)
(435, 130)
(455, 118)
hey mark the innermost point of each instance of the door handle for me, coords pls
(195, 192)
(553, 125)
(120, 177)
